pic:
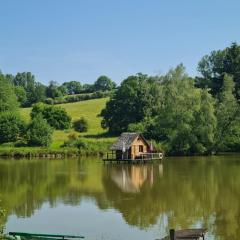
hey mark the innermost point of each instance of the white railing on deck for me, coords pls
(151, 155)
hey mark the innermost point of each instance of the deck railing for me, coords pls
(110, 155)
(142, 156)
(151, 156)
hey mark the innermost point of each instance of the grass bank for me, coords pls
(96, 139)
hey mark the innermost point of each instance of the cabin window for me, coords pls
(140, 148)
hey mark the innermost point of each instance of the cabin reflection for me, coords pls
(131, 178)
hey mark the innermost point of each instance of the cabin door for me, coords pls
(130, 153)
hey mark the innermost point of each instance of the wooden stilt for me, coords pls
(172, 234)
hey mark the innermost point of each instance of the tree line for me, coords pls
(44, 120)
(186, 115)
(29, 91)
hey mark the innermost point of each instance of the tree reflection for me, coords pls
(183, 192)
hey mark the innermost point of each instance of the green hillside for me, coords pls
(89, 109)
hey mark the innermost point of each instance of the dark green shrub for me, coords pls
(80, 144)
(81, 125)
(49, 101)
(11, 127)
(75, 143)
(39, 132)
(37, 109)
(56, 117)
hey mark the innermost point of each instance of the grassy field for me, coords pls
(95, 136)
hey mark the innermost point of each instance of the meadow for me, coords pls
(96, 137)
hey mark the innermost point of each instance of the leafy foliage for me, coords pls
(213, 67)
(169, 109)
(8, 100)
(73, 87)
(137, 98)
(35, 91)
(185, 121)
(39, 132)
(21, 94)
(56, 117)
(53, 90)
(81, 125)
(228, 116)
(11, 127)
(75, 142)
(104, 83)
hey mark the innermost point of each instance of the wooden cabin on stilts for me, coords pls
(132, 148)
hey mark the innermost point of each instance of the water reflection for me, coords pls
(179, 193)
(131, 178)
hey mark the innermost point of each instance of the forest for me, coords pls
(184, 115)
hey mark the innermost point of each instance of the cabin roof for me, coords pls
(127, 139)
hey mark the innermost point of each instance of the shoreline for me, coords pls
(35, 152)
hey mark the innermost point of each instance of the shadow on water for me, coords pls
(180, 193)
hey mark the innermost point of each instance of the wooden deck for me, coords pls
(143, 158)
(186, 234)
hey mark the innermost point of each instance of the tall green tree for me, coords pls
(228, 117)
(136, 99)
(214, 66)
(8, 99)
(35, 91)
(181, 120)
(73, 87)
(21, 95)
(53, 90)
(104, 83)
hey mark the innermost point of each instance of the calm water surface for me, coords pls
(137, 202)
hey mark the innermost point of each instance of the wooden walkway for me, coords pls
(130, 161)
(143, 158)
(186, 234)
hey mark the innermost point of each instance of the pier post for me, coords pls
(172, 234)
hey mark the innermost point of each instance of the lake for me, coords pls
(137, 202)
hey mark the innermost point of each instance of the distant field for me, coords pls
(89, 109)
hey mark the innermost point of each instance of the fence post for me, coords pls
(172, 234)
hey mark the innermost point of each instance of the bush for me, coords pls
(81, 125)
(136, 127)
(49, 101)
(11, 127)
(39, 132)
(75, 143)
(56, 117)
(80, 144)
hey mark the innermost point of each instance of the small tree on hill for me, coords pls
(81, 125)
(56, 117)
(39, 132)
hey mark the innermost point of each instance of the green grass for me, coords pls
(96, 137)
(89, 109)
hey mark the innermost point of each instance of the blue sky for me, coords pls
(64, 40)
